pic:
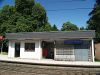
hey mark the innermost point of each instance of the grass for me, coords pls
(4, 53)
(97, 60)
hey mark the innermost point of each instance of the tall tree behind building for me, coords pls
(24, 16)
(54, 28)
(94, 21)
(68, 26)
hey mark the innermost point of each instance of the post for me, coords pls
(40, 49)
(1, 48)
(92, 50)
(54, 49)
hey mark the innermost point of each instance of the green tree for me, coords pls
(68, 26)
(54, 28)
(82, 28)
(6, 19)
(94, 21)
(25, 16)
(23, 25)
(24, 6)
(47, 27)
(39, 15)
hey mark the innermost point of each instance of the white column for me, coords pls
(92, 50)
(22, 49)
(54, 50)
(40, 49)
(54, 53)
(11, 49)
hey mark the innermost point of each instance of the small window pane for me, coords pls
(29, 46)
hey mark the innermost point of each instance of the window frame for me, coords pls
(29, 50)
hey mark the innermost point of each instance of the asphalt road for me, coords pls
(29, 69)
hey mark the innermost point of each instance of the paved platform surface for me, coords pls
(50, 62)
(30, 69)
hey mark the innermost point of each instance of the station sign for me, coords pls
(73, 41)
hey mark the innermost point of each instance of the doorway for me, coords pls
(48, 50)
(82, 52)
(17, 49)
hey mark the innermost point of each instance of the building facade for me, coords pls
(63, 46)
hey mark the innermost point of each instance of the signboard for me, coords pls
(73, 41)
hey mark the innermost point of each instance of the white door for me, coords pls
(81, 54)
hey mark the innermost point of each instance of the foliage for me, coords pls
(82, 28)
(24, 6)
(94, 21)
(39, 15)
(46, 27)
(4, 45)
(54, 28)
(68, 26)
(25, 16)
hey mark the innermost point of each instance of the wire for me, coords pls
(69, 1)
(69, 9)
(64, 1)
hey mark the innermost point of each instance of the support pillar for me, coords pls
(40, 49)
(54, 50)
(92, 50)
(11, 49)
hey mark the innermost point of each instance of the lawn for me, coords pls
(97, 60)
(4, 53)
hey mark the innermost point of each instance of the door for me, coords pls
(81, 54)
(17, 49)
(48, 50)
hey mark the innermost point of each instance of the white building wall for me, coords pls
(37, 54)
(11, 49)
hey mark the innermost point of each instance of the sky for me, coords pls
(61, 11)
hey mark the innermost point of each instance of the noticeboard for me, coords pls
(73, 41)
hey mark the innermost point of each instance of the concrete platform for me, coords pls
(50, 62)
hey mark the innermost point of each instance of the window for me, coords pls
(29, 46)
